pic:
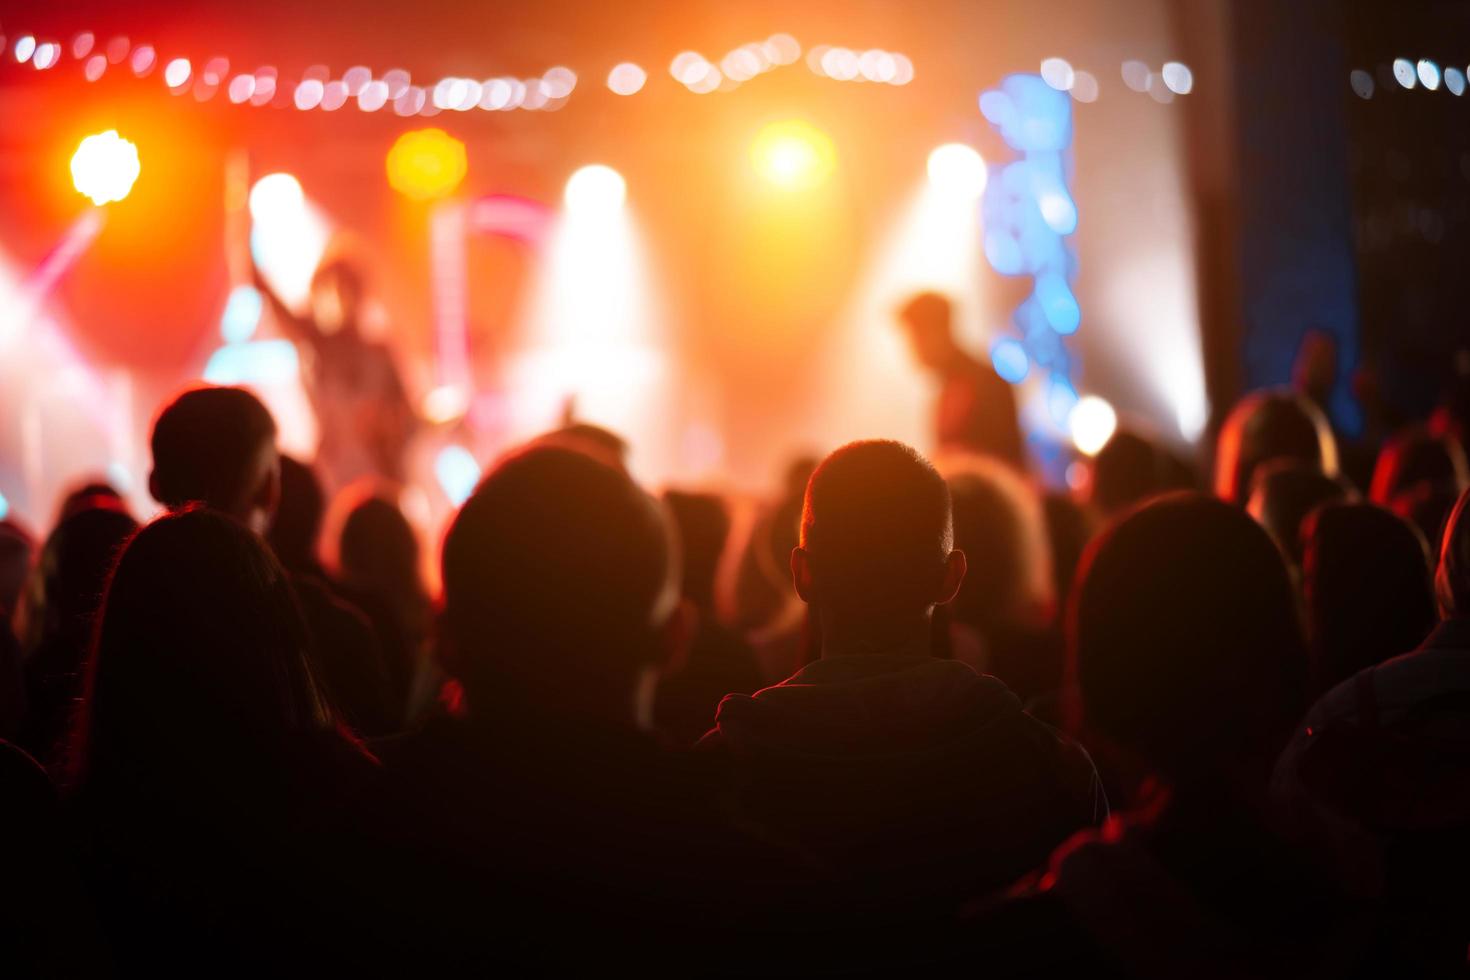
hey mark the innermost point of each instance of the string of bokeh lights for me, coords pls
(1407, 74)
(395, 89)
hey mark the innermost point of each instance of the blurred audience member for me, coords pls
(1130, 469)
(1413, 457)
(1194, 696)
(546, 810)
(1365, 582)
(217, 446)
(977, 408)
(1006, 603)
(1266, 426)
(378, 572)
(910, 780)
(295, 532)
(210, 780)
(767, 609)
(1284, 492)
(1069, 527)
(59, 619)
(17, 551)
(719, 660)
(1381, 767)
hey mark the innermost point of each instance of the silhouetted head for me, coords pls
(201, 658)
(1314, 371)
(217, 446)
(1130, 468)
(1069, 527)
(1185, 644)
(379, 551)
(1283, 493)
(72, 573)
(877, 539)
(17, 548)
(1414, 456)
(998, 520)
(928, 321)
(1270, 425)
(704, 527)
(1365, 579)
(1427, 506)
(93, 493)
(603, 445)
(336, 296)
(297, 524)
(559, 577)
(1452, 577)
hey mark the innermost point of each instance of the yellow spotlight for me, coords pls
(957, 169)
(793, 154)
(426, 163)
(104, 167)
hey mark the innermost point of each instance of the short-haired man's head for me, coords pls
(877, 530)
(216, 446)
(559, 569)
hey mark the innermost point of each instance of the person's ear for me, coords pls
(801, 573)
(955, 567)
(676, 637)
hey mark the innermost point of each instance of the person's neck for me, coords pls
(904, 638)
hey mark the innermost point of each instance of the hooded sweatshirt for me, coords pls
(911, 782)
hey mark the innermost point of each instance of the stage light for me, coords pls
(143, 60)
(1362, 83)
(841, 64)
(559, 82)
(95, 66)
(446, 403)
(793, 154)
(1009, 359)
(595, 189)
(782, 49)
(687, 67)
(1177, 77)
(426, 163)
(117, 49)
(215, 70)
(334, 96)
(1084, 86)
(276, 198)
(1092, 422)
(176, 75)
(626, 78)
(309, 94)
(1454, 80)
(457, 472)
(81, 45)
(4, 507)
(957, 169)
(25, 46)
(397, 81)
(1136, 75)
(1159, 91)
(1428, 73)
(104, 167)
(356, 79)
(1058, 73)
(374, 96)
(46, 55)
(1403, 72)
(242, 88)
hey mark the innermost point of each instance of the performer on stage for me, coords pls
(977, 409)
(362, 409)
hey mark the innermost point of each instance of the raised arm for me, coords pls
(302, 329)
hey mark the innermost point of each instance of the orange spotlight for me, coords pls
(104, 167)
(426, 163)
(793, 155)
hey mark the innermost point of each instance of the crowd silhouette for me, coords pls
(915, 718)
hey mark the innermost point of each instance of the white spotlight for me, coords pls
(957, 169)
(1092, 421)
(595, 188)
